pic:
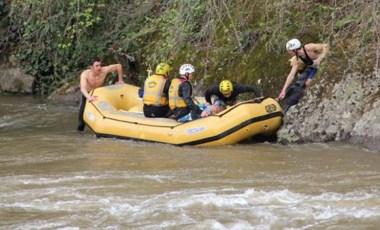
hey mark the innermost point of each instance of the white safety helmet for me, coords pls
(186, 68)
(293, 44)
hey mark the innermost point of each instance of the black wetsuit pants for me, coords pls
(81, 123)
(297, 91)
(181, 112)
(293, 96)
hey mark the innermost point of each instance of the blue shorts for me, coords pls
(311, 72)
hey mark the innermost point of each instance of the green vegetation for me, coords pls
(237, 39)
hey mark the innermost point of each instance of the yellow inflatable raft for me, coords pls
(117, 112)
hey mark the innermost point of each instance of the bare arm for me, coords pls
(320, 48)
(289, 79)
(114, 68)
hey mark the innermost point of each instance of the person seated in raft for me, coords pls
(156, 93)
(181, 93)
(227, 92)
(305, 60)
(206, 110)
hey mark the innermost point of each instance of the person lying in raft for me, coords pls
(227, 91)
(206, 110)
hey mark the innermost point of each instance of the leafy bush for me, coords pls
(237, 39)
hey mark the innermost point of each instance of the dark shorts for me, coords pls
(308, 73)
(156, 111)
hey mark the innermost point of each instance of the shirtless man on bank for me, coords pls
(305, 60)
(94, 78)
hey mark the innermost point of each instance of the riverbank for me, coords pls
(344, 111)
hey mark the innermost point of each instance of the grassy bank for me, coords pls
(235, 39)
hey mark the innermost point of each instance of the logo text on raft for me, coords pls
(91, 116)
(195, 130)
(270, 108)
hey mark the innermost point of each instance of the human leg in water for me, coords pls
(81, 123)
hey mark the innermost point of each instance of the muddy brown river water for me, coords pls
(55, 178)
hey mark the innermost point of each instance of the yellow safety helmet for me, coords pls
(163, 69)
(226, 87)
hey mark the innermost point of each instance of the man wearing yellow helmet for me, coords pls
(156, 92)
(181, 93)
(305, 60)
(227, 92)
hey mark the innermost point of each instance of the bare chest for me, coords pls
(95, 81)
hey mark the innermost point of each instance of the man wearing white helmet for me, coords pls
(181, 93)
(305, 60)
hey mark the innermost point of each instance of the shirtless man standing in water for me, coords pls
(94, 78)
